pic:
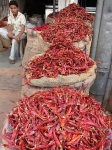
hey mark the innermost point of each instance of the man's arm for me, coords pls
(17, 37)
(10, 34)
(22, 30)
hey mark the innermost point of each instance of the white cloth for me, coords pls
(3, 32)
(17, 22)
(17, 47)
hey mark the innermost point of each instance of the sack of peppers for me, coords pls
(73, 10)
(58, 119)
(74, 24)
(62, 64)
(75, 28)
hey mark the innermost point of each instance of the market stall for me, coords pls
(55, 111)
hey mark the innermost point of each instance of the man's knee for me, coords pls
(14, 41)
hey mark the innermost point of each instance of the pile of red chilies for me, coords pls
(76, 29)
(41, 28)
(2, 24)
(51, 15)
(58, 119)
(74, 10)
(61, 58)
(5, 19)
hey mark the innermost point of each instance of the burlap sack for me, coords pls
(50, 20)
(61, 80)
(6, 43)
(84, 86)
(1, 45)
(85, 45)
(29, 89)
(35, 45)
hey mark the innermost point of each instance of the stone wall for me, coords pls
(4, 8)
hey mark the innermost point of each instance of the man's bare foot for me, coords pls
(12, 61)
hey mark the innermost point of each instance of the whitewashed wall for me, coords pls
(64, 3)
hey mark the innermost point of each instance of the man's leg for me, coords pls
(15, 46)
(14, 49)
(21, 45)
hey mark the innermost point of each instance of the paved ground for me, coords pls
(10, 86)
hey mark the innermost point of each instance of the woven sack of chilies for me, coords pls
(6, 42)
(29, 90)
(62, 64)
(73, 10)
(41, 37)
(35, 45)
(75, 28)
(84, 86)
(58, 119)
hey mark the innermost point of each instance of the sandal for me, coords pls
(12, 61)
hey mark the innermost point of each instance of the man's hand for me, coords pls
(17, 37)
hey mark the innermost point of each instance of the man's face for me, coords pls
(14, 9)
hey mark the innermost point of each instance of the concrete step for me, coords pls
(11, 78)
(4, 60)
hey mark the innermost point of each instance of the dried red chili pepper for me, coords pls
(2, 24)
(73, 10)
(61, 58)
(41, 28)
(75, 28)
(69, 129)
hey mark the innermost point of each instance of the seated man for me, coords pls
(16, 29)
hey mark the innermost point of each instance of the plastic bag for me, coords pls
(39, 21)
(29, 25)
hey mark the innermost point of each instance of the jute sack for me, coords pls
(6, 43)
(74, 80)
(83, 85)
(35, 45)
(84, 45)
(1, 45)
(50, 20)
(29, 89)
(36, 41)
(61, 80)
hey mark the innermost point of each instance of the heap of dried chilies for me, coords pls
(61, 58)
(74, 10)
(75, 28)
(58, 119)
(41, 28)
(5, 19)
(2, 24)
